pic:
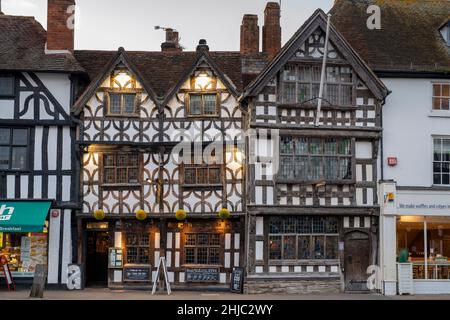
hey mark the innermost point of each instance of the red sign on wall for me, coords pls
(392, 161)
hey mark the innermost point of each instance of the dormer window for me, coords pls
(445, 32)
(121, 96)
(6, 85)
(203, 98)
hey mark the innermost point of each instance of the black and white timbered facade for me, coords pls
(312, 193)
(160, 154)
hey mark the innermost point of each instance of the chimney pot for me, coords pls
(250, 34)
(272, 29)
(202, 45)
(172, 41)
(59, 36)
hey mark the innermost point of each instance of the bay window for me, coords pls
(311, 159)
(301, 84)
(303, 238)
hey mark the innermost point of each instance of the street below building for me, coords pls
(107, 294)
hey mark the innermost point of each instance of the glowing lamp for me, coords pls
(122, 78)
(141, 215)
(99, 214)
(203, 81)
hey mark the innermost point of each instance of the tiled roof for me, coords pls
(22, 47)
(163, 70)
(409, 38)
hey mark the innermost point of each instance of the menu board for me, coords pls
(237, 280)
(38, 251)
(202, 275)
(131, 274)
(115, 258)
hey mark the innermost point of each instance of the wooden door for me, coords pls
(357, 260)
(97, 258)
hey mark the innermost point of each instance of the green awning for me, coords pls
(23, 216)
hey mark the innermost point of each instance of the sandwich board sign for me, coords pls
(162, 263)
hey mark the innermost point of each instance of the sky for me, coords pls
(110, 24)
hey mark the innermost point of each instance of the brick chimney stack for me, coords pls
(60, 32)
(272, 29)
(250, 34)
(172, 43)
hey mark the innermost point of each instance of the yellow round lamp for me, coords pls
(99, 214)
(141, 215)
(180, 215)
(224, 213)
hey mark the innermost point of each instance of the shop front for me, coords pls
(415, 248)
(24, 237)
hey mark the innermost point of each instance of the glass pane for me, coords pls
(437, 149)
(315, 91)
(445, 90)
(347, 95)
(301, 146)
(191, 239)
(210, 104)
(189, 176)
(286, 145)
(332, 93)
(437, 90)
(318, 225)
(315, 172)
(304, 91)
(332, 247)
(121, 175)
(289, 247)
(132, 255)
(20, 137)
(330, 146)
(275, 247)
(345, 147)
(315, 146)
(202, 176)
(6, 86)
(195, 104)
(202, 255)
(275, 225)
(445, 149)
(301, 168)
(289, 225)
(304, 225)
(144, 254)
(4, 157)
(202, 239)
(318, 247)
(145, 240)
(133, 160)
(129, 103)
(331, 171)
(331, 225)
(19, 158)
(122, 160)
(345, 168)
(445, 179)
(189, 256)
(316, 73)
(346, 74)
(437, 179)
(133, 175)
(109, 160)
(332, 74)
(4, 136)
(214, 256)
(289, 92)
(214, 176)
(114, 103)
(214, 239)
(110, 175)
(445, 104)
(304, 247)
(289, 73)
(304, 74)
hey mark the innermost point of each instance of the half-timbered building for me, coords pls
(159, 133)
(38, 166)
(312, 188)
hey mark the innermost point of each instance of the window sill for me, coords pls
(439, 114)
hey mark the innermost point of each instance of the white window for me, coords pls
(441, 161)
(441, 96)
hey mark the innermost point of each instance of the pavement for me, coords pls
(107, 294)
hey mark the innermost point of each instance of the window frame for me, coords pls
(11, 146)
(138, 247)
(294, 158)
(13, 93)
(434, 138)
(440, 97)
(310, 235)
(215, 164)
(208, 247)
(116, 184)
(312, 83)
(122, 93)
(202, 94)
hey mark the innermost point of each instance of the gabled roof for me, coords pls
(22, 48)
(162, 71)
(120, 57)
(409, 39)
(318, 19)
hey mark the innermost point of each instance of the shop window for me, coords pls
(121, 169)
(441, 96)
(24, 250)
(303, 238)
(202, 248)
(13, 149)
(312, 159)
(427, 243)
(301, 84)
(137, 248)
(6, 86)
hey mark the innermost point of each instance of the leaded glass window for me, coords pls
(202, 104)
(121, 168)
(13, 149)
(137, 248)
(202, 248)
(120, 104)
